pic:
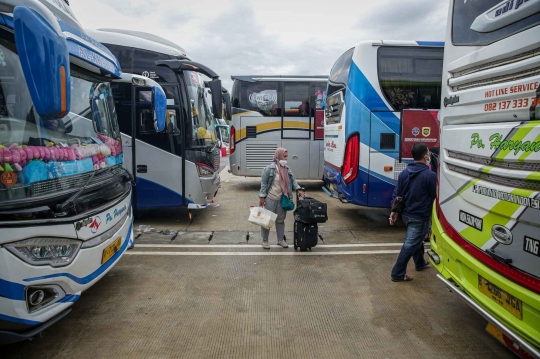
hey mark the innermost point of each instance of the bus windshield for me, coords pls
(43, 157)
(204, 132)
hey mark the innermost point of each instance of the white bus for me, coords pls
(65, 198)
(178, 167)
(277, 111)
(486, 222)
(370, 88)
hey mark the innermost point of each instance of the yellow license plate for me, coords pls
(111, 250)
(499, 296)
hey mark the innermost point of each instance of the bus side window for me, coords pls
(297, 99)
(262, 97)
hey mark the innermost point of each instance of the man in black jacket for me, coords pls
(418, 186)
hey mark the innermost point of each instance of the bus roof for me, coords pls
(286, 78)
(139, 40)
(400, 43)
(84, 50)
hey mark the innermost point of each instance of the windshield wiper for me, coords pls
(62, 207)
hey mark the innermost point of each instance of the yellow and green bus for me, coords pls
(486, 220)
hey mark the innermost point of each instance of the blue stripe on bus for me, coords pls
(153, 195)
(379, 192)
(19, 320)
(431, 43)
(383, 122)
(92, 276)
(357, 118)
(70, 298)
(364, 91)
(10, 290)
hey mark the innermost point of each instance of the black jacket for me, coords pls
(419, 187)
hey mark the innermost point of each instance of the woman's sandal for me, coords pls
(406, 278)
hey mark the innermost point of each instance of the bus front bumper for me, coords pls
(460, 272)
(524, 344)
(210, 186)
(67, 283)
(10, 337)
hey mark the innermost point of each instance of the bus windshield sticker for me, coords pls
(505, 196)
(496, 142)
(264, 100)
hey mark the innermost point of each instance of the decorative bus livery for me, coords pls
(486, 220)
(368, 88)
(65, 198)
(178, 167)
(277, 111)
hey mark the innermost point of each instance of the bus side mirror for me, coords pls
(217, 101)
(228, 109)
(44, 60)
(160, 108)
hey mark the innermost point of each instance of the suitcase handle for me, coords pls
(297, 196)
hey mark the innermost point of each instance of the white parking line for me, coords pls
(288, 253)
(349, 245)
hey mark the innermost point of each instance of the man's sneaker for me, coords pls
(283, 244)
(266, 245)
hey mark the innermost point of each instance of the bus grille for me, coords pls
(488, 161)
(259, 155)
(509, 60)
(499, 79)
(398, 168)
(71, 182)
(510, 182)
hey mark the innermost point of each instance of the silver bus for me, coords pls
(277, 111)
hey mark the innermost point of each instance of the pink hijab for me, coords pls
(282, 171)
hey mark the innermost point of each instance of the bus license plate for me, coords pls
(499, 296)
(111, 250)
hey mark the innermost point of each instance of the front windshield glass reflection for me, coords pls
(39, 156)
(203, 128)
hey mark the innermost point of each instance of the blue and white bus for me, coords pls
(178, 167)
(65, 198)
(369, 86)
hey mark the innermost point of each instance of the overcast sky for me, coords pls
(274, 37)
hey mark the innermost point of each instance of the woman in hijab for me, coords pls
(277, 180)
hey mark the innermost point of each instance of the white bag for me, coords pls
(262, 217)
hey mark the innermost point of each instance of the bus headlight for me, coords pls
(56, 252)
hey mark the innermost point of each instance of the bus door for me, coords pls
(382, 159)
(316, 165)
(158, 161)
(296, 127)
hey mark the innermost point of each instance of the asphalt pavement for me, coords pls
(204, 288)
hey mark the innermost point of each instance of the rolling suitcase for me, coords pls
(305, 235)
(309, 210)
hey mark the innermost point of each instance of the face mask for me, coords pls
(428, 161)
(283, 162)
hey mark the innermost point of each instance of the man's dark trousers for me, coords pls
(413, 247)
